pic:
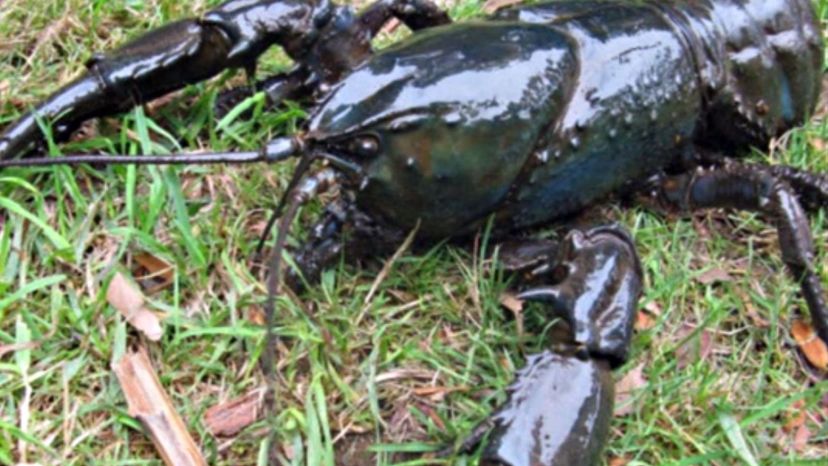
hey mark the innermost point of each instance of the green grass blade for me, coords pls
(28, 288)
(733, 431)
(60, 243)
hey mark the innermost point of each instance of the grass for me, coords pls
(358, 374)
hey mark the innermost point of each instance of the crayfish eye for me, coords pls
(364, 146)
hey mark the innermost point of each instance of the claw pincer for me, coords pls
(559, 407)
(168, 58)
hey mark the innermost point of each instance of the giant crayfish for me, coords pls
(527, 118)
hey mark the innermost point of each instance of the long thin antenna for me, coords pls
(310, 187)
(277, 150)
(298, 173)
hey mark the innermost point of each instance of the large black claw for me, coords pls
(599, 292)
(560, 404)
(168, 58)
(558, 414)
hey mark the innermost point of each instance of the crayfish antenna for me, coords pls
(298, 173)
(275, 151)
(299, 195)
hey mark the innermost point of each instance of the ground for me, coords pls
(714, 378)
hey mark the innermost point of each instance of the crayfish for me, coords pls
(523, 119)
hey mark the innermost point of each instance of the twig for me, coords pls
(150, 404)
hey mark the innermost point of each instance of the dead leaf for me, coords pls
(694, 349)
(632, 382)
(129, 301)
(152, 406)
(619, 461)
(157, 268)
(811, 345)
(256, 316)
(798, 419)
(229, 418)
(438, 394)
(714, 275)
(402, 296)
(643, 321)
(435, 418)
(493, 5)
(801, 438)
(515, 305)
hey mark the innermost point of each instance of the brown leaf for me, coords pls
(694, 349)
(256, 316)
(515, 305)
(157, 268)
(493, 5)
(619, 461)
(402, 296)
(798, 419)
(129, 301)
(229, 418)
(811, 345)
(643, 321)
(625, 389)
(801, 438)
(435, 418)
(714, 275)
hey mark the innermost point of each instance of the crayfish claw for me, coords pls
(557, 414)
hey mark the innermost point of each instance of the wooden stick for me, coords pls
(150, 404)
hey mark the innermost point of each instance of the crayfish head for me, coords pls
(444, 123)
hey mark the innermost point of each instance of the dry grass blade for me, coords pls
(11, 348)
(150, 404)
(386, 268)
